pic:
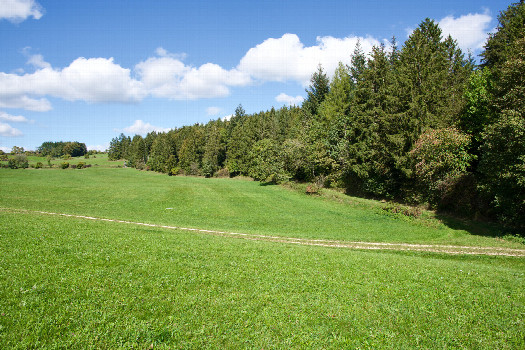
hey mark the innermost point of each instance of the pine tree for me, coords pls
(317, 91)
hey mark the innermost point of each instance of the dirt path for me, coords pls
(446, 249)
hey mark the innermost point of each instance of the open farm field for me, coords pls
(96, 160)
(68, 282)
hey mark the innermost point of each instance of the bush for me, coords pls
(39, 165)
(73, 166)
(395, 208)
(81, 165)
(175, 171)
(439, 157)
(223, 172)
(66, 156)
(18, 162)
(313, 189)
(86, 156)
(64, 165)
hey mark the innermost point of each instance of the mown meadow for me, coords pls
(75, 283)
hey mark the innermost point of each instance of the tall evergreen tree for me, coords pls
(502, 164)
(317, 91)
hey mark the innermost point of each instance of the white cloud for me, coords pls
(5, 149)
(90, 80)
(141, 128)
(287, 58)
(213, 110)
(100, 148)
(470, 31)
(19, 10)
(13, 118)
(38, 61)
(7, 130)
(23, 102)
(289, 100)
(167, 76)
(227, 117)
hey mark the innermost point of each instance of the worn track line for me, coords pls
(445, 249)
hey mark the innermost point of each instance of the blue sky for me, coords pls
(87, 70)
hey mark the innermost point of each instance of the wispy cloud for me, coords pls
(13, 118)
(213, 110)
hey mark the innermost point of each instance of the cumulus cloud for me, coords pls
(227, 117)
(286, 58)
(91, 80)
(100, 148)
(19, 10)
(141, 128)
(7, 130)
(13, 118)
(470, 31)
(213, 110)
(289, 100)
(166, 76)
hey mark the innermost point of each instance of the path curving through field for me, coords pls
(444, 249)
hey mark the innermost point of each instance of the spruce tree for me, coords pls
(317, 91)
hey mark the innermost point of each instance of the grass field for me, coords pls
(96, 160)
(74, 283)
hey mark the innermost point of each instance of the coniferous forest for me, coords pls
(418, 122)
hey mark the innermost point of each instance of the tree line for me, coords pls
(61, 148)
(421, 123)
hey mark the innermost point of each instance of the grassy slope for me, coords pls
(94, 160)
(76, 283)
(223, 204)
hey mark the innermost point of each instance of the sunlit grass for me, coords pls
(73, 283)
(221, 204)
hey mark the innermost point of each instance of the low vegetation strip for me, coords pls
(445, 249)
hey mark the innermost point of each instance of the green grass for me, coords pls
(97, 160)
(225, 204)
(73, 283)
(81, 284)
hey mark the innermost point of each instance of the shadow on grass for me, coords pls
(479, 228)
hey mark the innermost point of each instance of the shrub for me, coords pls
(66, 156)
(313, 189)
(223, 172)
(86, 156)
(19, 161)
(175, 171)
(73, 166)
(395, 208)
(440, 156)
(81, 165)
(64, 165)
(39, 165)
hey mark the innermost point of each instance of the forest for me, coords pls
(420, 123)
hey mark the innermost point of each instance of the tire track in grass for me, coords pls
(445, 249)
